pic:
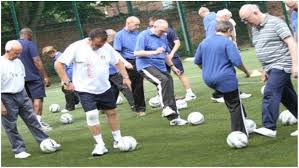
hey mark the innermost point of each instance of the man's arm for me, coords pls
(126, 80)
(59, 67)
(290, 41)
(39, 65)
(3, 109)
(175, 48)
(143, 53)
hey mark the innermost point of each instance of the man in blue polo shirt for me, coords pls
(209, 20)
(217, 56)
(124, 43)
(152, 54)
(36, 76)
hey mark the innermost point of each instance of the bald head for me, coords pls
(26, 33)
(111, 34)
(203, 12)
(132, 23)
(251, 14)
(13, 49)
(160, 27)
(292, 4)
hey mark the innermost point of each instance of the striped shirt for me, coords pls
(270, 48)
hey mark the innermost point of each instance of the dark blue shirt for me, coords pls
(218, 56)
(28, 53)
(171, 37)
(124, 42)
(148, 41)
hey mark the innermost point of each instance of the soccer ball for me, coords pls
(181, 104)
(250, 125)
(237, 139)
(127, 143)
(119, 100)
(49, 145)
(262, 90)
(54, 108)
(154, 102)
(66, 118)
(287, 118)
(195, 118)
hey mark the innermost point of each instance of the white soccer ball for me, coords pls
(262, 90)
(287, 118)
(237, 139)
(119, 100)
(66, 118)
(154, 102)
(49, 145)
(181, 104)
(250, 125)
(195, 118)
(54, 108)
(127, 143)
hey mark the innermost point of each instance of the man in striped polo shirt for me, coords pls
(275, 48)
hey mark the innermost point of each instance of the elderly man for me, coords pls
(15, 101)
(124, 43)
(91, 58)
(209, 20)
(217, 56)
(226, 15)
(152, 53)
(275, 48)
(293, 5)
(36, 76)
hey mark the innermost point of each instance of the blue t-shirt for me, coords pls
(112, 70)
(218, 55)
(171, 37)
(67, 68)
(124, 42)
(28, 53)
(210, 18)
(148, 41)
(294, 17)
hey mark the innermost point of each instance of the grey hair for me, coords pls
(26, 30)
(224, 26)
(160, 22)
(12, 44)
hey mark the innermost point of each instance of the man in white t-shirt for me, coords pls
(15, 101)
(91, 58)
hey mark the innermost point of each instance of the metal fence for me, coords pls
(60, 23)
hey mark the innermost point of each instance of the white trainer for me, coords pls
(99, 150)
(245, 95)
(178, 121)
(115, 144)
(266, 132)
(190, 96)
(22, 155)
(46, 129)
(218, 100)
(65, 111)
(78, 105)
(167, 111)
(295, 133)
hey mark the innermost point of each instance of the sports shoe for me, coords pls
(167, 111)
(45, 127)
(266, 132)
(99, 150)
(115, 144)
(44, 124)
(65, 111)
(190, 96)
(22, 155)
(245, 95)
(140, 114)
(78, 105)
(218, 100)
(178, 121)
(295, 133)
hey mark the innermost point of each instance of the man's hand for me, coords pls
(160, 50)
(264, 76)
(175, 70)
(128, 65)
(47, 82)
(69, 87)
(295, 71)
(3, 109)
(127, 83)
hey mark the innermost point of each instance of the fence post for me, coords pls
(78, 22)
(14, 18)
(285, 13)
(184, 27)
(130, 8)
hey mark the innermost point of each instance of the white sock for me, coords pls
(99, 139)
(116, 135)
(189, 91)
(39, 118)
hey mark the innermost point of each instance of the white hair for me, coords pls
(224, 12)
(12, 44)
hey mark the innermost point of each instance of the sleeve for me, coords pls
(33, 50)
(140, 43)
(172, 35)
(198, 56)
(68, 56)
(233, 53)
(281, 29)
(117, 44)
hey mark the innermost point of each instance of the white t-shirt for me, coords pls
(12, 75)
(90, 67)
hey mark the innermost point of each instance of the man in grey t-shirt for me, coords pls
(275, 48)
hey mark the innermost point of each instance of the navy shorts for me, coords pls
(104, 101)
(177, 63)
(35, 89)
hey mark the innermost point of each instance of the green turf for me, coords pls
(161, 144)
